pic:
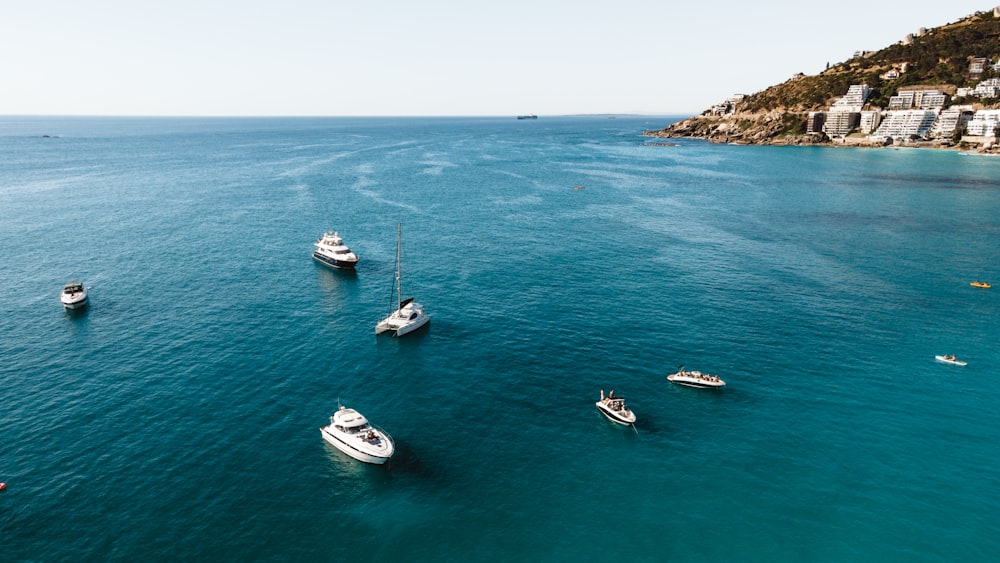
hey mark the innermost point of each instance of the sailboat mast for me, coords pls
(399, 281)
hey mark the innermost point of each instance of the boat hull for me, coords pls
(76, 304)
(334, 439)
(416, 324)
(697, 384)
(696, 379)
(333, 262)
(615, 416)
(401, 327)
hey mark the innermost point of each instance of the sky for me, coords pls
(436, 57)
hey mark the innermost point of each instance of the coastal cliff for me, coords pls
(953, 61)
(774, 128)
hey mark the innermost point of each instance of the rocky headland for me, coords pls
(954, 61)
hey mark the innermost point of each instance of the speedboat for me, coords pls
(981, 284)
(950, 359)
(408, 315)
(615, 409)
(350, 432)
(696, 379)
(74, 295)
(331, 251)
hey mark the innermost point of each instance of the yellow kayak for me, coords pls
(980, 284)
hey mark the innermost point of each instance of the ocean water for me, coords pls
(177, 417)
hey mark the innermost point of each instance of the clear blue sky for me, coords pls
(437, 57)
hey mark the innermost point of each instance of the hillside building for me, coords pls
(921, 99)
(815, 121)
(870, 121)
(905, 124)
(950, 120)
(984, 123)
(840, 123)
(854, 100)
(728, 107)
(977, 66)
(989, 88)
(845, 113)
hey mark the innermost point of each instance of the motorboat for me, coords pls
(981, 284)
(331, 251)
(615, 409)
(696, 379)
(74, 295)
(950, 359)
(350, 432)
(408, 315)
(528, 116)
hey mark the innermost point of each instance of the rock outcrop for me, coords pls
(772, 128)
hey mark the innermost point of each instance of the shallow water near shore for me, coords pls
(178, 417)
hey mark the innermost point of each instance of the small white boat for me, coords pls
(615, 409)
(331, 251)
(74, 295)
(950, 359)
(351, 433)
(408, 315)
(696, 379)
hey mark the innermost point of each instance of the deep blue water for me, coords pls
(177, 418)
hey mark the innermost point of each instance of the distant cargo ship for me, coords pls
(529, 116)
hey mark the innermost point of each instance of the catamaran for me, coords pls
(408, 315)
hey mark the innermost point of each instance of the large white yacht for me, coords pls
(74, 295)
(331, 251)
(408, 315)
(351, 433)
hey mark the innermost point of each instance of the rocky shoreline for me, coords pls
(783, 129)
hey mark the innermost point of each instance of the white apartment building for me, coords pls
(950, 120)
(854, 100)
(870, 121)
(989, 88)
(904, 124)
(923, 99)
(984, 123)
(840, 123)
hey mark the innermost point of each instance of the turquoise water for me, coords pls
(177, 418)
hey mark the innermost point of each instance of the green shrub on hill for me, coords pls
(940, 56)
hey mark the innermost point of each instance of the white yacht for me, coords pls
(351, 433)
(408, 315)
(74, 295)
(615, 409)
(696, 379)
(331, 251)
